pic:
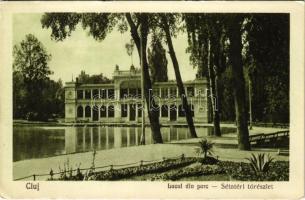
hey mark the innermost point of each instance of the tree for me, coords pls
(234, 23)
(168, 20)
(93, 79)
(99, 25)
(129, 49)
(19, 95)
(216, 29)
(157, 60)
(31, 61)
(267, 57)
(206, 45)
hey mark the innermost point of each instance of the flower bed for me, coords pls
(198, 170)
(175, 169)
(279, 171)
(116, 174)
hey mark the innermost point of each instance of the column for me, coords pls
(177, 111)
(136, 104)
(160, 92)
(91, 113)
(83, 111)
(83, 94)
(168, 112)
(128, 111)
(160, 109)
(107, 106)
(168, 92)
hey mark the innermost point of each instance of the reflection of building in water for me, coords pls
(120, 101)
(79, 139)
(70, 140)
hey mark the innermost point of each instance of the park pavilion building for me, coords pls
(120, 101)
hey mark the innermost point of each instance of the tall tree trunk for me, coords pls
(235, 57)
(213, 77)
(153, 114)
(180, 85)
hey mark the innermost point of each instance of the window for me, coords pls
(157, 109)
(133, 92)
(103, 111)
(123, 93)
(124, 110)
(156, 92)
(111, 111)
(87, 94)
(164, 111)
(95, 94)
(80, 111)
(164, 93)
(103, 94)
(173, 92)
(111, 94)
(190, 91)
(80, 94)
(87, 111)
(139, 93)
(139, 110)
(181, 111)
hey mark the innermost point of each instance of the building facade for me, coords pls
(120, 101)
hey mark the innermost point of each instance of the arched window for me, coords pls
(80, 111)
(87, 111)
(164, 111)
(111, 111)
(103, 111)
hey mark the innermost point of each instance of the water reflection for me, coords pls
(37, 142)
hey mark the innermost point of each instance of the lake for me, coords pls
(37, 142)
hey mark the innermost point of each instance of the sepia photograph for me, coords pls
(214, 88)
(152, 97)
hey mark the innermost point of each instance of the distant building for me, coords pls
(120, 101)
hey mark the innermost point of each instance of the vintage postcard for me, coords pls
(152, 100)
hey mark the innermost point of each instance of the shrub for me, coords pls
(260, 163)
(206, 147)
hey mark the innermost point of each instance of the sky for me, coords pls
(81, 52)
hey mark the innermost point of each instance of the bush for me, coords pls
(260, 163)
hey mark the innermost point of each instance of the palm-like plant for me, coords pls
(206, 147)
(260, 163)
